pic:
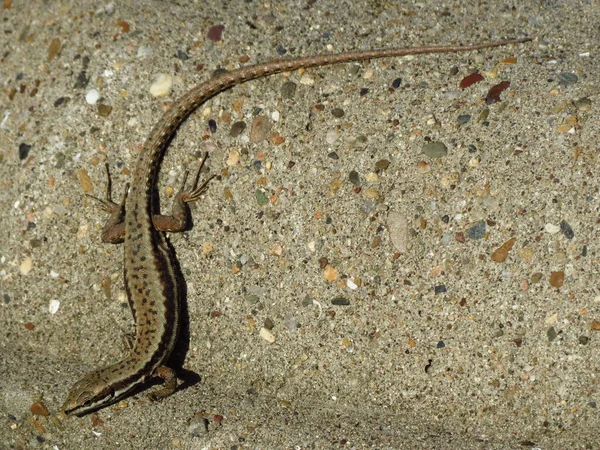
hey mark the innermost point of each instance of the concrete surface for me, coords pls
(471, 279)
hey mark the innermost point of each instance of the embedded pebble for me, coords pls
(269, 324)
(477, 231)
(453, 94)
(435, 149)
(290, 323)
(351, 284)
(450, 180)
(143, 51)
(372, 194)
(551, 319)
(92, 96)
(463, 119)
(423, 167)
(331, 136)
(536, 277)
(53, 49)
(237, 128)
(53, 306)
(288, 89)
(162, 85)
(371, 177)
(354, 178)
(212, 126)
(215, 33)
(338, 112)
(259, 129)
(382, 164)
(109, 8)
(104, 110)
(307, 301)
(567, 79)
(583, 104)
(557, 279)
(399, 232)
(551, 228)
(330, 273)
(233, 158)
(567, 230)
(261, 198)
(483, 115)
(340, 301)
(267, 335)
(198, 427)
(307, 80)
(501, 253)
(26, 265)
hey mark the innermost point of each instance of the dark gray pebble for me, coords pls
(288, 89)
(477, 231)
(566, 230)
(340, 301)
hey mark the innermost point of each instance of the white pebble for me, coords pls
(53, 306)
(551, 228)
(551, 319)
(307, 80)
(351, 284)
(331, 136)
(453, 95)
(92, 96)
(162, 85)
(267, 335)
(275, 116)
(144, 51)
(474, 162)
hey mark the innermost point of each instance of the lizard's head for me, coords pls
(88, 394)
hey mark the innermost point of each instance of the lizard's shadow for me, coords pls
(182, 346)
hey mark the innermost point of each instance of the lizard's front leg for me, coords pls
(113, 231)
(178, 220)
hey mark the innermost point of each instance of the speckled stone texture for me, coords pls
(386, 260)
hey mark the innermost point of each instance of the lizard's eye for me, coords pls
(85, 398)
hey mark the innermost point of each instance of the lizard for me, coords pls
(150, 278)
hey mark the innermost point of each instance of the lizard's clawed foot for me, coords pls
(107, 203)
(195, 191)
